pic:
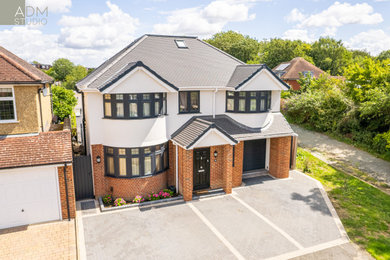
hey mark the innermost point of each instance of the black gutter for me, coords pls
(84, 121)
(66, 192)
(40, 106)
(37, 165)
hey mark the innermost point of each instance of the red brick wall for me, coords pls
(294, 84)
(279, 162)
(121, 187)
(71, 193)
(228, 169)
(186, 173)
(217, 166)
(238, 164)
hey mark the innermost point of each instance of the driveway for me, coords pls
(336, 152)
(266, 218)
(55, 240)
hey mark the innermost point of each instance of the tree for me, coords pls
(276, 50)
(60, 69)
(64, 101)
(78, 72)
(330, 55)
(384, 55)
(242, 47)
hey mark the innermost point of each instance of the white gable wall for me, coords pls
(263, 80)
(212, 138)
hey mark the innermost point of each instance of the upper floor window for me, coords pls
(189, 102)
(136, 162)
(248, 101)
(7, 104)
(134, 106)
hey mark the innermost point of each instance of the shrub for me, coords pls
(138, 199)
(119, 202)
(154, 196)
(107, 199)
(169, 191)
(163, 195)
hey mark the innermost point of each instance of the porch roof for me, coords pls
(187, 135)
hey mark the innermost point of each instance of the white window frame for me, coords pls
(15, 120)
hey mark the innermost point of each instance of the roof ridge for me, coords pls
(170, 36)
(19, 66)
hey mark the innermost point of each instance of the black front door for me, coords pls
(201, 168)
(254, 154)
(82, 173)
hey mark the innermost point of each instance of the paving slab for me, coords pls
(173, 232)
(249, 234)
(296, 205)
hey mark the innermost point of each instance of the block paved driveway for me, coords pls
(55, 240)
(268, 218)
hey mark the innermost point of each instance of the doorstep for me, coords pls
(206, 193)
(143, 204)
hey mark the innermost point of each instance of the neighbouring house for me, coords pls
(33, 159)
(41, 66)
(291, 71)
(176, 111)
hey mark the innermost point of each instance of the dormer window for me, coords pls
(181, 44)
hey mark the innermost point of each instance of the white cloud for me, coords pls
(340, 14)
(54, 6)
(295, 16)
(84, 40)
(298, 34)
(205, 21)
(373, 41)
(98, 30)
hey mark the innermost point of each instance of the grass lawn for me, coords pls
(363, 209)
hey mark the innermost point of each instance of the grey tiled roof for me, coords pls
(197, 126)
(198, 65)
(241, 73)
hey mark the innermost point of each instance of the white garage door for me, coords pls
(28, 195)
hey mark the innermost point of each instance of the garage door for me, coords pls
(28, 195)
(254, 154)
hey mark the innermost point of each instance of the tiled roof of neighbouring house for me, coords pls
(43, 149)
(15, 69)
(199, 64)
(292, 69)
(197, 126)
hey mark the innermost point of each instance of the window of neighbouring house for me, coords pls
(134, 106)
(248, 101)
(189, 102)
(135, 162)
(7, 104)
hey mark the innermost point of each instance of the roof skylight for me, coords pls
(181, 44)
(283, 66)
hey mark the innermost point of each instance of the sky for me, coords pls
(90, 31)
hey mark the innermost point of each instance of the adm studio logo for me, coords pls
(16, 12)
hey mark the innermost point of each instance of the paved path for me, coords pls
(56, 240)
(334, 150)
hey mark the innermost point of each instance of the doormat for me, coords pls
(87, 205)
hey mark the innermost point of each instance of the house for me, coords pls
(41, 66)
(176, 111)
(291, 71)
(33, 159)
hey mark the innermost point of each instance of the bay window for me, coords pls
(135, 162)
(134, 106)
(248, 101)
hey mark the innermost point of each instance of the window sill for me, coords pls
(9, 121)
(186, 113)
(255, 112)
(134, 118)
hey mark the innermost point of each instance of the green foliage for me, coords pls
(242, 47)
(384, 55)
(363, 209)
(60, 69)
(330, 55)
(63, 101)
(275, 51)
(77, 73)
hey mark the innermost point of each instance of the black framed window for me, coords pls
(248, 101)
(135, 162)
(189, 102)
(134, 106)
(7, 104)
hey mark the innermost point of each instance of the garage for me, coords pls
(254, 155)
(28, 196)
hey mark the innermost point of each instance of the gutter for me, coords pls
(177, 168)
(66, 192)
(40, 106)
(215, 91)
